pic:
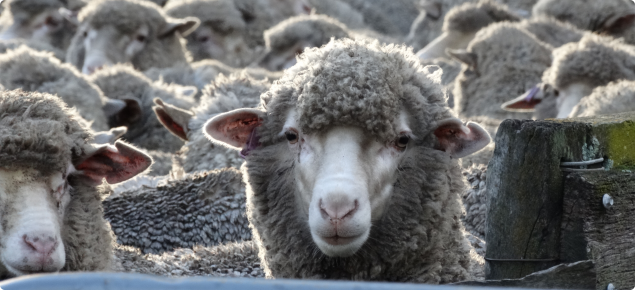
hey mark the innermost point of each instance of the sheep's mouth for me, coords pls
(339, 240)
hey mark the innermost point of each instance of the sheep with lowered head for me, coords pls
(355, 134)
(223, 95)
(30, 70)
(128, 31)
(577, 69)
(617, 97)
(50, 187)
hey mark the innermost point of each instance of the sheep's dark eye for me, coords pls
(402, 142)
(291, 136)
(141, 38)
(555, 92)
(203, 39)
(85, 33)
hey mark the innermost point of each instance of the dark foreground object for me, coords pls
(121, 281)
(541, 214)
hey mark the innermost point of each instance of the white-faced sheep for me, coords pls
(577, 69)
(503, 60)
(123, 83)
(128, 31)
(30, 70)
(612, 17)
(355, 134)
(223, 95)
(203, 209)
(50, 177)
(613, 98)
(220, 36)
(39, 20)
(462, 23)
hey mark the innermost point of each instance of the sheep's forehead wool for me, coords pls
(126, 15)
(359, 83)
(471, 17)
(314, 29)
(38, 131)
(595, 60)
(218, 12)
(21, 10)
(516, 43)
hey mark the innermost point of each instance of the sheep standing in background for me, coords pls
(30, 70)
(617, 97)
(203, 209)
(144, 130)
(386, 17)
(39, 20)
(611, 17)
(503, 60)
(6, 45)
(50, 177)
(577, 69)
(220, 36)
(462, 23)
(388, 114)
(428, 25)
(128, 31)
(223, 95)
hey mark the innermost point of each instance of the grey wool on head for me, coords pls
(6, 45)
(226, 93)
(616, 97)
(502, 61)
(363, 84)
(163, 46)
(124, 83)
(472, 17)
(39, 131)
(204, 209)
(30, 70)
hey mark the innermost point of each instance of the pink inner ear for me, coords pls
(239, 127)
(116, 167)
(449, 137)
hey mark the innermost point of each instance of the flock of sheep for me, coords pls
(324, 139)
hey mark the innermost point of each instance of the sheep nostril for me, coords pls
(42, 244)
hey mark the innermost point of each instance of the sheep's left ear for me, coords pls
(460, 140)
(115, 163)
(184, 26)
(234, 128)
(619, 23)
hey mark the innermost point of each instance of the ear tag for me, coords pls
(253, 143)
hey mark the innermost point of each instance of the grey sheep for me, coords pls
(612, 17)
(144, 130)
(39, 20)
(577, 69)
(223, 95)
(220, 36)
(428, 25)
(30, 70)
(616, 97)
(311, 149)
(386, 17)
(128, 31)
(204, 209)
(6, 45)
(462, 23)
(503, 60)
(51, 188)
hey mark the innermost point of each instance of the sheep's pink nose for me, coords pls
(43, 244)
(338, 210)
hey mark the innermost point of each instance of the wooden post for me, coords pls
(526, 185)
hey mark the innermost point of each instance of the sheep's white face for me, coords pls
(447, 40)
(32, 209)
(39, 28)
(343, 177)
(107, 46)
(281, 60)
(570, 96)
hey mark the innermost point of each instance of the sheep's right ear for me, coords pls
(234, 128)
(185, 26)
(174, 119)
(463, 56)
(619, 23)
(124, 112)
(114, 163)
(524, 103)
(460, 140)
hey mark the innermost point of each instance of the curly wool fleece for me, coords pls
(39, 131)
(358, 83)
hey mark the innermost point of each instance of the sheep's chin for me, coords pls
(345, 247)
